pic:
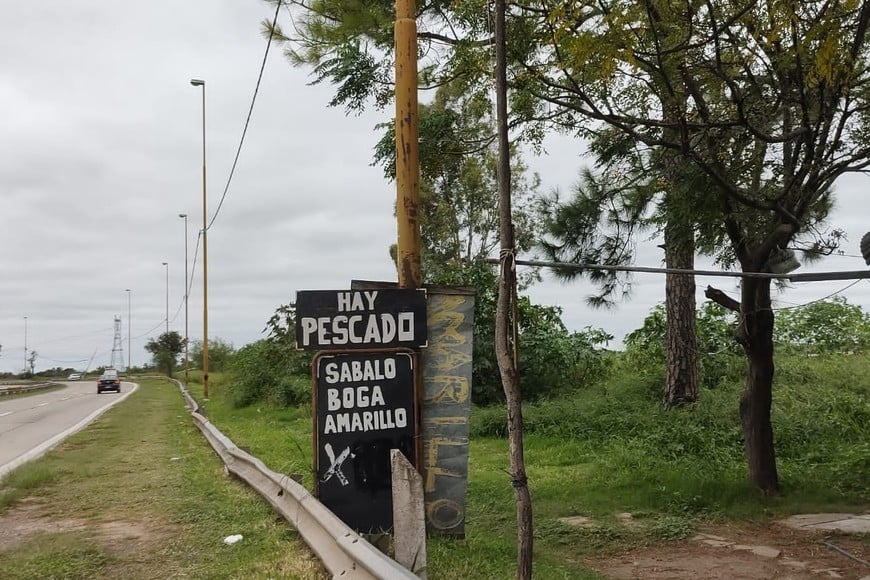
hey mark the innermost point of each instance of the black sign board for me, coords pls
(364, 407)
(360, 319)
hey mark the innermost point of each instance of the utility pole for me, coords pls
(407, 148)
(166, 265)
(201, 83)
(186, 339)
(25, 346)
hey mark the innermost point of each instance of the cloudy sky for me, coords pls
(100, 151)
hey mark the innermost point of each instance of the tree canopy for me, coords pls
(165, 350)
(752, 110)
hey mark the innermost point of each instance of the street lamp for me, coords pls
(25, 346)
(186, 357)
(167, 296)
(201, 83)
(129, 327)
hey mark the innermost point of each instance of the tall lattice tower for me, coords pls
(117, 348)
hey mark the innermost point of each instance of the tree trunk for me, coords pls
(505, 318)
(681, 382)
(755, 334)
(681, 379)
(511, 386)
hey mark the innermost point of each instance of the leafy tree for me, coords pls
(458, 192)
(552, 360)
(646, 347)
(260, 373)
(824, 327)
(766, 99)
(219, 353)
(271, 369)
(599, 225)
(281, 329)
(165, 350)
(349, 44)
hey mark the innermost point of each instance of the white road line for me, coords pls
(6, 413)
(42, 404)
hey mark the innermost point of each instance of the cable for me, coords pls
(68, 338)
(822, 299)
(193, 263)
(248, 120)
(158, 325)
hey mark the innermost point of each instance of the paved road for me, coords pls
(31, 425)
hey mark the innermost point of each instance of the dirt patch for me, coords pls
(31, 517)
(726, 554)
(123, 537)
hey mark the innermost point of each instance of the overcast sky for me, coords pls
(101, 150)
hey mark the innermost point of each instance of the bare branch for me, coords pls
(722, 299)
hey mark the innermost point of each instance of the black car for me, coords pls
(109, 381)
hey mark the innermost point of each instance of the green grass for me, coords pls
(70, 555)
(139, 494)
(612, 448)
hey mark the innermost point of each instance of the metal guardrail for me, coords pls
(342, 551)
(15, 389)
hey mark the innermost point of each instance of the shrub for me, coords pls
(263, 371)
(721, 358)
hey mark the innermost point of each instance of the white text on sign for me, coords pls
(357, 329)
(355, 407)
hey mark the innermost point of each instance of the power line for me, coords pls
(248, 120)
(67, 338)
(146, 333)
(822, 299)
(193, 264)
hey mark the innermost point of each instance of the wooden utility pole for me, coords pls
(407, 148)
(505, 317)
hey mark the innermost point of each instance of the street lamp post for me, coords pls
(25, 346)
(186, 340)
(166, 264)
(129, 328)
(201, 83)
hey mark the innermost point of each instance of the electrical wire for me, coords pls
(42, 358)
(146, 333)
(248, 120)
(822, 299)
(193, 263)
(191, 276)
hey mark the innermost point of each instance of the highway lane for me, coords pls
(31, 425)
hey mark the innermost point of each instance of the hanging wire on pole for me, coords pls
(248, 119)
